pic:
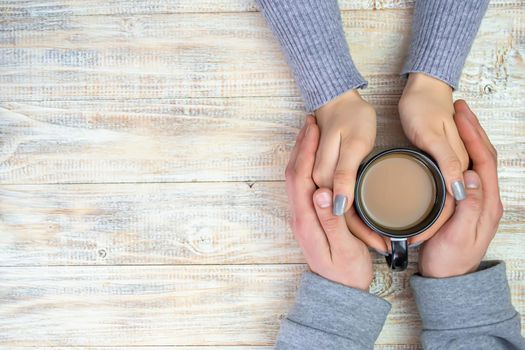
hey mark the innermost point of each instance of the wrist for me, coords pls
(444, 274)
(360, 280)
(455, 271)
(422, 82)
(351, 96)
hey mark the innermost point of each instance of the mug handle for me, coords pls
(398, 258)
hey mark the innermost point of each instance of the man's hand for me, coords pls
(459, 246)
(329, 248)
(348, 131)
(427, 115)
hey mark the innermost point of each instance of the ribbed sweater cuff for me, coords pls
(442, 35)
(472, 300)
(324, 308)
(311, 35)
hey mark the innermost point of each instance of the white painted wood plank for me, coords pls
(214, 347)
(224, 55)
(164, 305)
(201, 223)
(20, 8)
(241, 139)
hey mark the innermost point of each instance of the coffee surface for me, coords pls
(398, 191)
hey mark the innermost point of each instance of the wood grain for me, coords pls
(224, 55)
(165, 305)
(20, 8)
(200, 223)
(175, 347)
(184, 140)
(209, 347)
(103, 102)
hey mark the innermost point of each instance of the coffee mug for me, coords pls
(399, 194)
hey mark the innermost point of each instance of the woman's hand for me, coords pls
(427, 115)
(328, 246)
(348, 131)
(459, 246)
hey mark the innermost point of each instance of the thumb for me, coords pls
(450, 166)
(467, 212)
(350, 158)
(334, 227)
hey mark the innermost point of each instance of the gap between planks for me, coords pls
(135, 8)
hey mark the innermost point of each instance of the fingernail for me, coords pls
(381, 252)
(458, 189)
(339, 205)
(323, 200)
(471, 181)
(308, 129)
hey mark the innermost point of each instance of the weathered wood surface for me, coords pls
(199, 223)
(20, 8)
(159, 305)
(98, 99)
(235, 139)
(96, 57)
(209, 347)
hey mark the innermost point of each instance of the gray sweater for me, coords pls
(312, 38)
(471, 312)
(468, 312)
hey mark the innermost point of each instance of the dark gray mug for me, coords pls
(397, 259)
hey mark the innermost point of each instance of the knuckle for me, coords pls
(501, 209)
(343, 176)
(464, 160)
(453, 165)
(357, 145)
(498, 211)
(494, 157)
(320, 177)
(488, 159)
(494, 151)
(475, 204)
(289, 173)
(330, 223)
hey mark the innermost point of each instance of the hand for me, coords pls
(458, 247)
(348, 130)
(329, 248)
(427, 116)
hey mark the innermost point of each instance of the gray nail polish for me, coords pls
(380, 252)
(339, 205)
(458, 189)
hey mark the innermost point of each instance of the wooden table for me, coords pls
(142, 148)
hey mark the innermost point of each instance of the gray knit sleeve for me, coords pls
(311, 36)
(327, 315)
(442, 34)
(473, 311)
